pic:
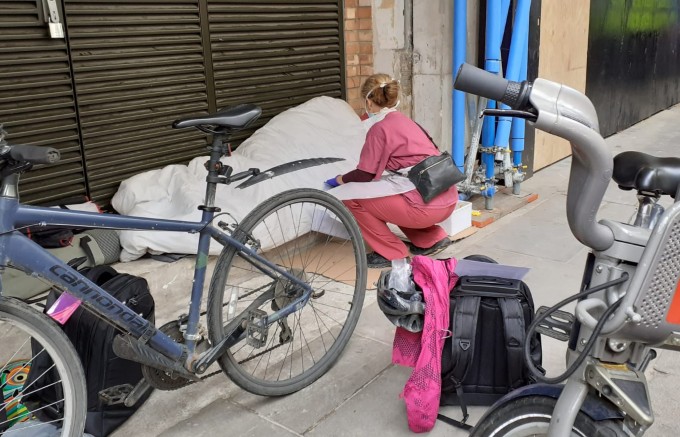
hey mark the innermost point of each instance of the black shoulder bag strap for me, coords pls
(515, 333)
(426, 134)
(464, 327)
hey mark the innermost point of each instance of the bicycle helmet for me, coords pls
(404, 309)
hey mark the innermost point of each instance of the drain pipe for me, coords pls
(492, 63)
(517, 132)
(518, 48)
(458, 110)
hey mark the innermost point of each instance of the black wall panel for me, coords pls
(633, 60)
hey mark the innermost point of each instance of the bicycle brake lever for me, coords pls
(526, 115)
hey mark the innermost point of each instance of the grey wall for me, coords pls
(413, 41)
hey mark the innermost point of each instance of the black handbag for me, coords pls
(434, 174)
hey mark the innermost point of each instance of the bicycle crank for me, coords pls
(162, 379)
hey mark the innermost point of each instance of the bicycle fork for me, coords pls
(617, 385)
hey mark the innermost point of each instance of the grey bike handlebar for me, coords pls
(479, 82)
(569, 114)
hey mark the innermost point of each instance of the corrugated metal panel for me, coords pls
(37, 100)
(276, 54)
(138, 65)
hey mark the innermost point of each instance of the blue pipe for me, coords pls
(505, 8)
(492, 63)
(518, 44)
(458, 110)
(519, 125)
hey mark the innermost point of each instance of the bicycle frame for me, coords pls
(639, 307)
(19, 251)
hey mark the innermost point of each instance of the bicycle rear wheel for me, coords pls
(311, 235)
(28, 400)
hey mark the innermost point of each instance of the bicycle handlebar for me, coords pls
(34, 154)
(473, 80)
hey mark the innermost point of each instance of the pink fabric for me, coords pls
(423, 351)
(418, 224)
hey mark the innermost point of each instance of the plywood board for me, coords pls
(563, 58)
(338, 262)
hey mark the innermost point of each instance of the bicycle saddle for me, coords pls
(232, 118)
(643, 172)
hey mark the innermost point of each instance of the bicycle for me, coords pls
(627, 303)
(282, 303)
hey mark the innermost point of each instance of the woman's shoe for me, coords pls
(432, 250)
(377, 261)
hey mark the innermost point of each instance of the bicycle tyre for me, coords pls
(66, 360)
(231, 270)
(530, 416)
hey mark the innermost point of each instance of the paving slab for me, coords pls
(540, 233)
(211, 420)
(378, 411)
(362, 359)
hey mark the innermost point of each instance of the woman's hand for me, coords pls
(334, 182)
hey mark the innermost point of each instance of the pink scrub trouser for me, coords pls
(418, 224)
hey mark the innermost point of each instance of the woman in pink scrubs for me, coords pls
(395, 143)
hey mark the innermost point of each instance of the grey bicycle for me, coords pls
(628, 302)
(282, 304)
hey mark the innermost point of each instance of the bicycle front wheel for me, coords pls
(530, 417)
(42, 378)
(312, 236)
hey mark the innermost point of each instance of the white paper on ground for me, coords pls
(466, 267)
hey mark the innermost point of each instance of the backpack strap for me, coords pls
(464, 327)
(454, 422)
(99, 274)
(515, 333)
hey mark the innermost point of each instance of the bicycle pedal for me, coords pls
(115, 395)
(257, 329)
(557, 325)
(140, 390)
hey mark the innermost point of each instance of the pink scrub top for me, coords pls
(397, 142)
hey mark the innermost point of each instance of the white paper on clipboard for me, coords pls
(466, 267)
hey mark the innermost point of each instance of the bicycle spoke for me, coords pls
(294, 236)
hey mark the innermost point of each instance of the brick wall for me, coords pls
(358, 49)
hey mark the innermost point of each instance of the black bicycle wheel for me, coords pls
(56, 397)
(530, 416)
(312, 236)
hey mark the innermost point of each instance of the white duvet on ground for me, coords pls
(323, 127)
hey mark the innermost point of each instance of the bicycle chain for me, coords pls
(216, 372)
(210, 375)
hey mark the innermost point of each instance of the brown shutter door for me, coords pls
(137, 65)
(276, 54)
(37, 100)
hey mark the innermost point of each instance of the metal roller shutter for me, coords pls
(131, 67)
(274, 53)
(138, 65)
(37, 101)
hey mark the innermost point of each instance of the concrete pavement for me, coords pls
(360, 394)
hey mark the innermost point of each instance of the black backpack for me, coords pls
(484, 358)
(108, 377)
